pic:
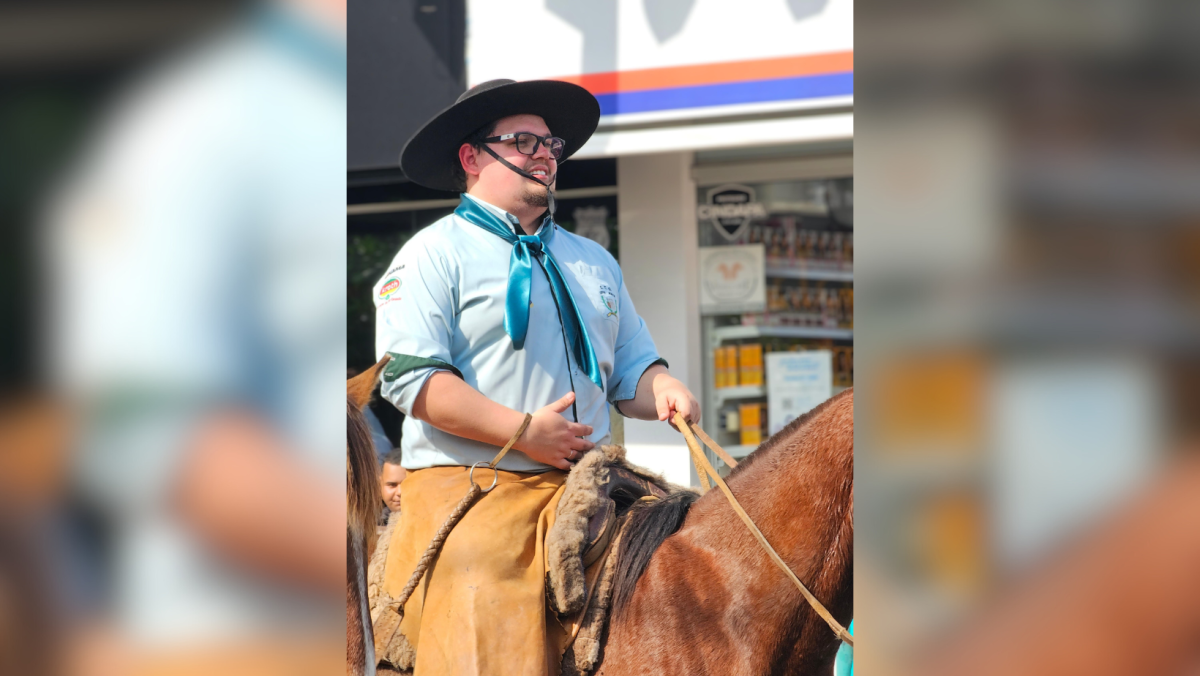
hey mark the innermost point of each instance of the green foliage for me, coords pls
(368, 256)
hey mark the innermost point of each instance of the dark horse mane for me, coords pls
(650, 524)
(362, 484)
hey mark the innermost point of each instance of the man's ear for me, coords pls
(468, 156)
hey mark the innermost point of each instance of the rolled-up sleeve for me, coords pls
(635, 351)
(414, 320)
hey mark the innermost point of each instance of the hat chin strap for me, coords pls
(549, 182)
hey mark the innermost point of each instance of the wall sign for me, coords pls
(732, 279)
(730, 208)
(796, 382)
(667, 60)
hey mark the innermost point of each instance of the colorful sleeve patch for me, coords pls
(390, 290)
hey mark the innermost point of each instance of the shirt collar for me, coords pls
(508, 218)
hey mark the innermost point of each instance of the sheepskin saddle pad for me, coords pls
(601, 487)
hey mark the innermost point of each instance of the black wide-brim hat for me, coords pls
(431, 155)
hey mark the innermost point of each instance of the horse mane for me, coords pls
(362, 480)
(649, 524)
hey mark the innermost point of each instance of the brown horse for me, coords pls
(362, 507)
(707, 600)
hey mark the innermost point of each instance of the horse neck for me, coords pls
(799, 491)
(800, 484)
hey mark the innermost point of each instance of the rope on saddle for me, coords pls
(703, 468)
(383, 638)
(435, 546)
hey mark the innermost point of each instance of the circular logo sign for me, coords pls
(730, 276)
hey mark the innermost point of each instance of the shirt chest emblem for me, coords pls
(609, 299)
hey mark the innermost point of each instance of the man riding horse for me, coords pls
(493, 312)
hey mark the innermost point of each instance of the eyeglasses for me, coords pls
(527, 143)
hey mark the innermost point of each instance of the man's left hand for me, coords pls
(671, 396)
(660, 396)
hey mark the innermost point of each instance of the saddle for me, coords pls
(623, 489)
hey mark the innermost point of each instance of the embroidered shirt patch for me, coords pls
(389, 289)
(609, 299)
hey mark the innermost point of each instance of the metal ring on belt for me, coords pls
(495, 475)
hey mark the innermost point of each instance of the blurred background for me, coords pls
(171, 437)
(1028, 183)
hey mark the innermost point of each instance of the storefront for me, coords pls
(740, 261)
(776, 296)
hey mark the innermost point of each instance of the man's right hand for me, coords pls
(552, 439)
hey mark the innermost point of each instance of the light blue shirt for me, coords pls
(440, 307)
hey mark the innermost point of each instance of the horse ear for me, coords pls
(360, 388)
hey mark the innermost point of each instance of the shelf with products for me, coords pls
(802, 302)
(812, 273)
(739, 396)
(738, 356)
(799, 241)
(724, 333)
(725, 394)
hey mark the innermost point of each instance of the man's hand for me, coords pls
(670, 396)
(451, 405)
(552, 439)
(660, 396)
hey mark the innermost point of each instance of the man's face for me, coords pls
(500, 179)
(389, 482)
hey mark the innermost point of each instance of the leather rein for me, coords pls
(704, 470)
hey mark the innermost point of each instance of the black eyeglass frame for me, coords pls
(542, 141)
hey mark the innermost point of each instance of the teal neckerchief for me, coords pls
(527, 248)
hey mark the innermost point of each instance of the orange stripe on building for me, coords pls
(713, 73)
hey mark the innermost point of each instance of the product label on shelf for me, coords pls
(750, 424)
(750, 365)
(732, 279)
(796, 383)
